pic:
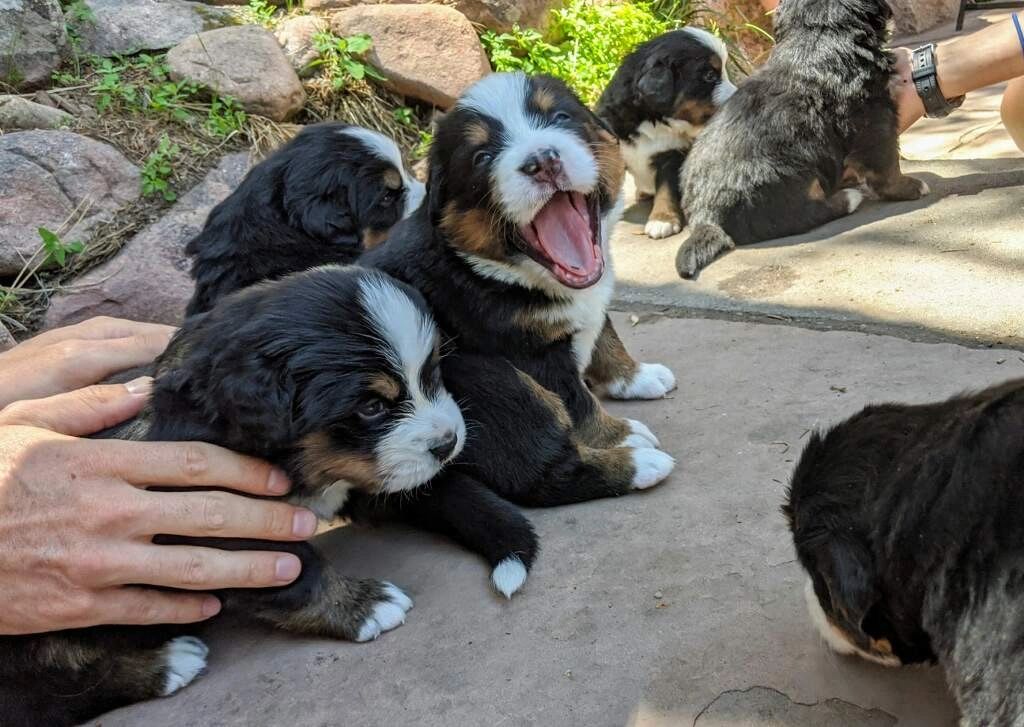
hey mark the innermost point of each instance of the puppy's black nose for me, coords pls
(443, 448)
(544, 166)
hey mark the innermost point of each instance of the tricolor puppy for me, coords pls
(656, 103)
(324, 197)
(815, 119)
(332, 374)
(510, 251)
(908, 521)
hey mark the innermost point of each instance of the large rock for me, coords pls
(494, 14)
(917, 16)
(32, 36)
(296, 38)
(244, 62)
(47, 177)
(20, 113)
(128, 26)
(149, 279)
(429, 52)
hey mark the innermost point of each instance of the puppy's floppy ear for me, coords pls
(849, 574)
(602, 125)
(656, 85)
(323, 217)
(256, 398)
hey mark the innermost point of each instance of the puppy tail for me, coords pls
(705, 243)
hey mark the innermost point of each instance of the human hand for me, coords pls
(74, 356)
(909, 107)
(76, 522)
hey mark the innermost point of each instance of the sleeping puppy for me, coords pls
(656, 103)
(510, 252)
(325, 196)
(773, 161)
(333, 375)
(908, 521)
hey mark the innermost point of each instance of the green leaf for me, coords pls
(355, 69)
(358, 44)
(50, 239)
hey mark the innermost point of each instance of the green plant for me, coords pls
(76, 14)
(340, 58)
(262, 12)
(112, 89)
(225, 116)
(404, 115)
(52, 251)
(422, 149)
(55, 250)
(156, 172)
(522, 49)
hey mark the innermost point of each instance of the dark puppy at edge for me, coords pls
(324, 197)
(332, 374)
(656, 103)
(816, 117)
(908, 521)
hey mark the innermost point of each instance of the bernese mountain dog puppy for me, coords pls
(324, 197)
(332, 374)
(908, 521)
(510, 251)
(656, 103)
(815, 119)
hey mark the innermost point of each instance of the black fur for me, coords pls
(908, 520)
(773, 162)
(314, 201)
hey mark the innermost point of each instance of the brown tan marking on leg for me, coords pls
(549, 398)
(664, 208)
(610, 360)
(601, 430)
(615, 465)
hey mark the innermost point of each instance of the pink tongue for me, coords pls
(564, 234)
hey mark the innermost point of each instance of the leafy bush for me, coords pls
(340, 59)
(156, 172)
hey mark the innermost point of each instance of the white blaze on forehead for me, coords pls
(384, 148)
(504, 97)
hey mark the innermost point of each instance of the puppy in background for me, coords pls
(908, 521)
(656, 103)
(324, 197)
(331, 374)
(817, 116)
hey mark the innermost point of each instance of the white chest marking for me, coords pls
(653, 138)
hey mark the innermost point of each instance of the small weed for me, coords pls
(422, 149)
(262, 12)
(404, 115)
(340, 58)
(156, 172)
(225, 116)
(55, 250)
(112, 91)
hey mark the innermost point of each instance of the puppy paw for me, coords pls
(641, 437)
(386, 614)
(184, 659)
(687, 264)
(509, 576)
(658, 229)
(650, 381)
(852, 198)
(651, 467)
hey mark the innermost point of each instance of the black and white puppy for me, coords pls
(332, 374)
(908, 521)
(510, 251)
(324, 197)
(656, 103)
(815, 118)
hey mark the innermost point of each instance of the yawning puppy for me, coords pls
(325, 196)
(908, 521)
(334, 376)
(656, 103)
(510, 251)
(773, 161)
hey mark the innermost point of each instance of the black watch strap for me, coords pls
(922, 66)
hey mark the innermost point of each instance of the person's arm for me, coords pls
(963, 64)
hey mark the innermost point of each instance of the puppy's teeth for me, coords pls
(509, 576)
(652, 466)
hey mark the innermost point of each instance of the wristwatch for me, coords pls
(922, 65)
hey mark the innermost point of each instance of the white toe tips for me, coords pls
(657, 229)
(386, 614)
(185, 659)
(640, 432)
(853, 199)
(509, 576)
(652, 466)
(651, 381)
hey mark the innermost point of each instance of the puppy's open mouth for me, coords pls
(565, 238)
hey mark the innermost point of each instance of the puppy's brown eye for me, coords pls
(389, 197)
(372, 409)
(711, 75)
(561, 117)
(482, 158)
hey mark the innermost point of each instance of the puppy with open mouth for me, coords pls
(334, 376)
(907, 520)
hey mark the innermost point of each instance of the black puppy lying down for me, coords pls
(334, 376)
(908, 521)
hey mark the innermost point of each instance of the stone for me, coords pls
(6, 339)
(244, 62)
(20, 113)
(129, 26)
(148, 280)
(917, 16)
(47, 177)
(32, 37)
(428, 52)
(296, 38)
(498, 15)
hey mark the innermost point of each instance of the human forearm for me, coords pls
(981, 59)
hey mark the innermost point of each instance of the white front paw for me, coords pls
(650, 381)
(509, 576)
(387, 614)
(651, 467)
(657, 229)
(641, 437)
(184, 659)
